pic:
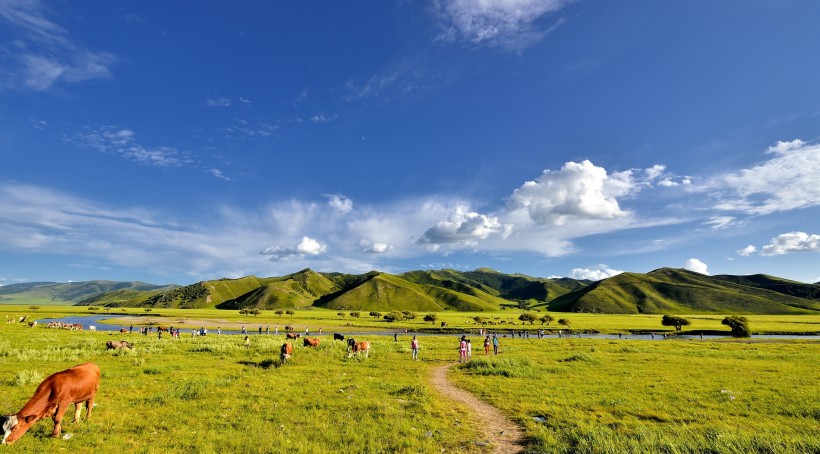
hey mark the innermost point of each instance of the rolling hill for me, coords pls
(665, 290)
(679, 291)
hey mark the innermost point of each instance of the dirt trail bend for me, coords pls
(503, 435)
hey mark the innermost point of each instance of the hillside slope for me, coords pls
(679, 291)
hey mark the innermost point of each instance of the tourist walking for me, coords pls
(487, 346)
(462, 349)
(495, 344)
(469, 350)
(414, 346)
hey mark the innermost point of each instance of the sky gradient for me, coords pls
(149, 141)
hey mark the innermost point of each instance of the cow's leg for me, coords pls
(58, 418)
(78, 407)
(89, 405)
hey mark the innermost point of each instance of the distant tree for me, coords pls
(547, 319)
(279, 312)
(677, 322)
(564, 321)
(394, 316)
(430, 318)
(408, 315)
(289, 312)
(355, 314)
(528, 317)
(243, 311)
(256, 311)
(376, 314)
(739, 325)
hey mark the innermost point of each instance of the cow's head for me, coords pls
(14, 427)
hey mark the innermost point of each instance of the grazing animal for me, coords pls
(162, 328)
(443, 324)
(72, 386)
(308, 342)
(354, 347)
(92, 328)
(288, 328)
(123, 330)
(293, 335)
(337, 336)
(116, 345)
(32, 324)
(285, 352)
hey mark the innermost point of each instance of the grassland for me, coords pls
(570, 395)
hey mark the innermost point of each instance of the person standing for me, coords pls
(469, 350)
(276, 330)
(247, 342)
(414, 346)
(267, 329)
(218, 330)
(495, 344)
(487, 346)
(462, 349)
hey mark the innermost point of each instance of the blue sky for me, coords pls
(152, 141)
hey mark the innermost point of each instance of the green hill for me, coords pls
(295, 290)
(679, 291)
(54, 293)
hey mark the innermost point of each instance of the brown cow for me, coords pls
(123, 330)
(308, 342)
(286, 352)
(116, 345)
(354, 347)
(72, 386)
(293, 335)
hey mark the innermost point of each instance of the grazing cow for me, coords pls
(354, 347)
(116, 345)
(72, 386)
(288, 328)
(162, 328)
(337, 336)
(443, 324)
(286, 352)
(92, 328)
(123, 330)
(308, 342)
(32, 324)
(293, 335)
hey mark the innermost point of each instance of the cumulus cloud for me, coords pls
(577, 191)
(510, 24)
(594, 273)
(307, 246)
(747, 251)
(789, 180)
(375, 247)
(463, 227)
(792, 242)
(43, 53)
(340, 203)
(696, 266)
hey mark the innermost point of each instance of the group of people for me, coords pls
(465, 347)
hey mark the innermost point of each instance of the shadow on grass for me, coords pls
(264, 364)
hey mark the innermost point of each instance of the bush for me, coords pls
(394, 316)
(528, 317)
(408, 315)
(547, 319)
(677, 322)
(430, 318)
(376, 314)
(739, 325)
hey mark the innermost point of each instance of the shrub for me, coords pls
(739, 325)
(394, 316)
(430, 318)
(27, 377)
(564, 322)
(528, 317)
(547, 319)
(677, 322)
(376, 314)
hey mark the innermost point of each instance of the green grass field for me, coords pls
(570, 395)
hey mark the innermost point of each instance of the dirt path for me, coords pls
(503, 435)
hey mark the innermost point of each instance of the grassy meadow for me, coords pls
(212, 394)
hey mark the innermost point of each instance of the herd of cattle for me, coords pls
(78, 385)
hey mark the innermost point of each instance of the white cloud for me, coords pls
(747, 251)
(463, 227)
(511, 24)
(375, 247)
(122, 142)
(594, 273)
(218, 102)
(792, 242)
(696, 266)
(306, 247)
(322, 118)
(340, 203)
(577, 191)
(788, 181)
(44, 53)
(721, 222)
